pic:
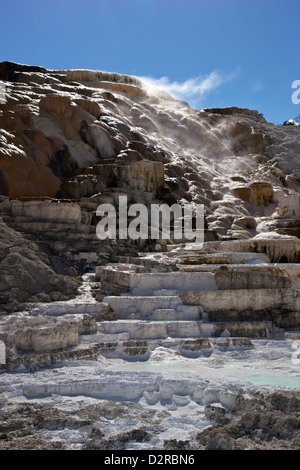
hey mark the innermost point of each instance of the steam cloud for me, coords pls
(193, 88)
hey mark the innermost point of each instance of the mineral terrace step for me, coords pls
(239, 300)
(184, 313)
(244, 276)
(143, 307)
(287, 250)
(165, 314)
(122, 279)
(44, 226)
(186, 329)
(165, 292)
(138, 350)
(244, 299)
(224, 258)
(295, 335)
(276, 268)
(229, 277)
(279, 317)
(148, 283)
(64, 308)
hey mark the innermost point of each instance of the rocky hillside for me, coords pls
(144, 344)
(71, 139)
(58, 126)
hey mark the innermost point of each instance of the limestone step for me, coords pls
(274, 268)
(129, 348)
(295, 335)
(182, 246)
(270, 275)
(133, 349)
(224, 257)
(242, 276)
(186, 329)
(149, 283)
(278, 250)
(171, 314)
(165, 292)
(66, 308)
(47, 227)
(278, 317)
(144, 307)
(49, 359)
(244, 299)
(110, 342)
(122, 278)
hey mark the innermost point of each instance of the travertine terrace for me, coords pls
(162, 338)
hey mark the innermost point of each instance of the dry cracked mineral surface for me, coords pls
(144, 344)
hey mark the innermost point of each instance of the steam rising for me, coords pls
(191, 89)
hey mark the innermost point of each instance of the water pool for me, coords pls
(194, 367)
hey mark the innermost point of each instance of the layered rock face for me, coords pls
(73, 139)
(31, 273)
(75, 133)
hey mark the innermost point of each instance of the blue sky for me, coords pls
(212, 53)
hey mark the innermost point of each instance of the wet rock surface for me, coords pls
(258, 422)
(269, 422)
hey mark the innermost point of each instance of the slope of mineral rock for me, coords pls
(57, 125)
(147, 343)
(30, 273)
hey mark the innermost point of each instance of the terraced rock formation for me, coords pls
(168, 332)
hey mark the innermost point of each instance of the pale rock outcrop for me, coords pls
(248, 299)
(245, 222)
(225, 258)
(55, 104)
(232, 110)
(92, 107)
(50, 211)
(46, 338)
(100, 140)
(144, 176)
(281, 250)
(289, 206)
(259, 193)
(40, 334)
(27, 274)
(51, 132)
